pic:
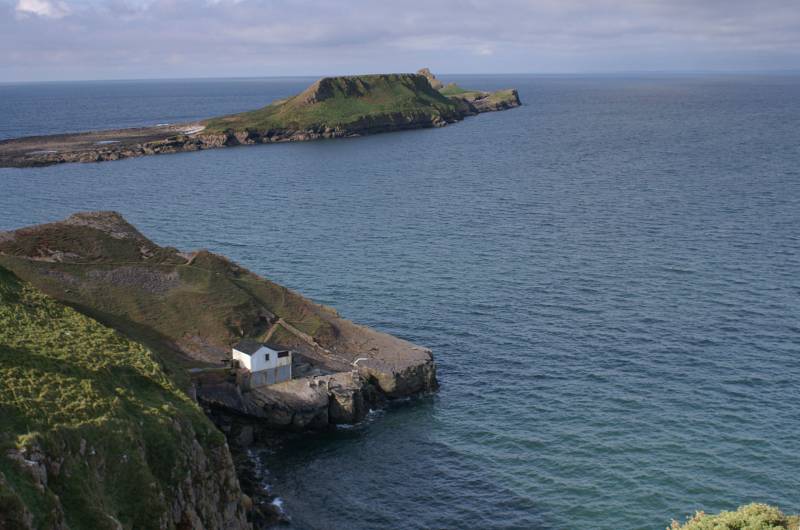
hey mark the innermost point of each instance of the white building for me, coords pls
(266, 366)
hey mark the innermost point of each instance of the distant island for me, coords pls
(332, 107)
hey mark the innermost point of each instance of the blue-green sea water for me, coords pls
(609, 277)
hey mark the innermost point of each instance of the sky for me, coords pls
(44, 40)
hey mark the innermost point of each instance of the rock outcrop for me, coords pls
(321, 401)
(435, 83)
(490, 101)
(207, 497)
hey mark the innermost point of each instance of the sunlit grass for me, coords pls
(95, 403)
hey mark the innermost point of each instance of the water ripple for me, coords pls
(608, 277)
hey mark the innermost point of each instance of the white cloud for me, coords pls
(42, 8)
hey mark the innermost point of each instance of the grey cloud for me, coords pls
(130, 38)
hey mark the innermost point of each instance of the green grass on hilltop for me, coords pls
(750, 517)
(82, 241)
(152, 294)
(344, 101)
(452, 89)
(208, 304)
(115, 431)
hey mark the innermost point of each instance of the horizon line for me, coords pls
(610, 73)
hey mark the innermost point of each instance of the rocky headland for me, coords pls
(332, 107)
(166, 319)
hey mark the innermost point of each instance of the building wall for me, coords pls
(270, 376)
(283, 373)
(243, 358)
(259, 360)
(265, 371)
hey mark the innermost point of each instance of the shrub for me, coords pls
(750, 517)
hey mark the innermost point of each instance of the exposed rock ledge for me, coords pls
(319, 401)
(367, 369)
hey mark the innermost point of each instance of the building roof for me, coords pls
(250, 346)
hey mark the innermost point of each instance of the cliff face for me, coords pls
(40, 485)
(332, 107)
(94, 434)
(435, 83)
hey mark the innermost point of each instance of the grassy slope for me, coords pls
(346, 101)
(502, 95)
(204, 308)
(158, 299)
(70, 382)
(749, 517)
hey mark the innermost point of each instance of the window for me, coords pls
(266, 357)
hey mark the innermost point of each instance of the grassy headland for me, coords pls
(189, 308)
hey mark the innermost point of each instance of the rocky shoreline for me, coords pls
(315, 402)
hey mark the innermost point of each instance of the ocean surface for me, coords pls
(609, 277)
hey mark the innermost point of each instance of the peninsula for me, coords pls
(111, 350)
(332, 107)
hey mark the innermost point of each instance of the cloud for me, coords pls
(157, 38)
(42, 8)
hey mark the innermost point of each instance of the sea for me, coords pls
(608, 276)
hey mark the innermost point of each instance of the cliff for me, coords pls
(94, 434)
(332, 107)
